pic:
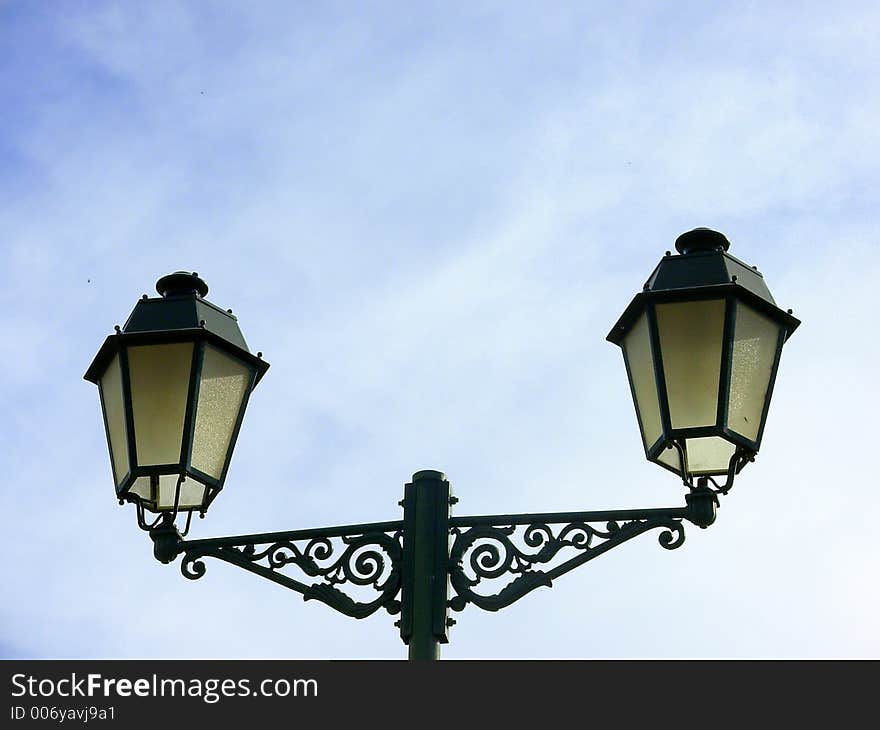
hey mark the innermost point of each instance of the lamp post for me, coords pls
(701, 345)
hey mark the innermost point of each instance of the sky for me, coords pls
(427, 216)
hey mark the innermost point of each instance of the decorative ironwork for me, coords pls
(370, 560)
(486, 548)
(358, 569)
(487, 551)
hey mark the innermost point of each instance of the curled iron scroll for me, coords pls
(367, 561)
(489, 552)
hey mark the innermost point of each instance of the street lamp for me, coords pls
(174, 384)
(701, 345)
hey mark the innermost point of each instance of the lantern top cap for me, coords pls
(701, 239)
(705, 269)
(182, 283)
(181, 313)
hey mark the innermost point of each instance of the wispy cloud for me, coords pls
(427, 217)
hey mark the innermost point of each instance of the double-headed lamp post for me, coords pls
(701, 344)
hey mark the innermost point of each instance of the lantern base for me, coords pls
(167, 541)
(702, 503)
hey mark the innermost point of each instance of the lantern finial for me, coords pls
(181, 283)
(701, 239)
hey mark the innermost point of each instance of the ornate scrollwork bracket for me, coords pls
(488, 550)
(358, 569)
(346, 562)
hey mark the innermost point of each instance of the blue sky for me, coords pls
(427, 216)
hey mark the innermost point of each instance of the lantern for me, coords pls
(174, 384)
(701, 344)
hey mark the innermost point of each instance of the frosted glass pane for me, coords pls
(159, 388)
(755, 340)
(709, 455)
(141, 488)
(637, 347)
(221, 391)
(114, 412)
(690, 340)
(192, 493)
(671, 458)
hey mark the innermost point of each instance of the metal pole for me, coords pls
(425, 570)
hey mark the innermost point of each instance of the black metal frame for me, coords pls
(412, 568)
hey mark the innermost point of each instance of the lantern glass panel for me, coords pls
(224, 383)
(637, 350)
(141, 488)
(709, 455)
(671, 458)
(192, 493)
(691, 335)
(159, 376)
(755, 341)
(114, 413)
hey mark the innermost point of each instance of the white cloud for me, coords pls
(428, 221)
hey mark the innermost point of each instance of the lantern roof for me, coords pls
(703, 268)
(180, 311)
